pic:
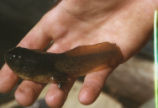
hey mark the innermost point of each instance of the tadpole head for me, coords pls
(13, 57)
(27, 62)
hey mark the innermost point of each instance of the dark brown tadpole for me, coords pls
(46, 67)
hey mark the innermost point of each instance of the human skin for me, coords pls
(72, 23)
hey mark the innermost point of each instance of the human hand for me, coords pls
(73, 23)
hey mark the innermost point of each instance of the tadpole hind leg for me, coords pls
(60, 85)
(61, 79)
(66, 82)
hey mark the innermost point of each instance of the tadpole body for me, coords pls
(44, 67)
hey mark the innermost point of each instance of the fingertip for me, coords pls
(7, 79)
(87, 96)
(6, 86)
(93, 84)
(83, 98)
(55, 97)
(27, 92)
(23, 97)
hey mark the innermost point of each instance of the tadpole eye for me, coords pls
(13, 56)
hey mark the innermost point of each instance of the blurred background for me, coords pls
(129, 86)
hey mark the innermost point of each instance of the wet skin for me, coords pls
(46, 67)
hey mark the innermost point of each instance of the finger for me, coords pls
(56, 96)
(59, 47)
(27, 92)
(64, 44)
(92, 86)
(35, 39)
(7, 79)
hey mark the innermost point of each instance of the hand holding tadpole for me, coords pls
(74, 23)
